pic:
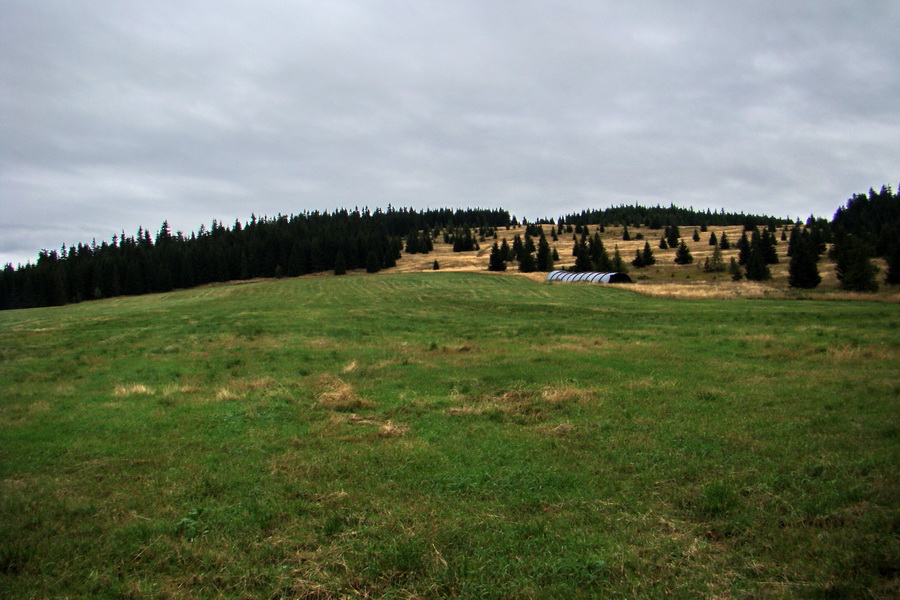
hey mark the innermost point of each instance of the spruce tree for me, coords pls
(743, 249)
(663, 245)
(625, 235)
(724, 244)
(734, 269)
(528, 247)
(853, 263)
(373, 263)
(672, 236)
(505, 251)
(435, 266)
(617, 264)
(893, 264)
(517, 247)
(715, 263)
(340, 264)
(600, 260)
(638, 262)
(683, 254)
(803, 271)
(696, 237)
(767, 246)
(582, 258)
(647, 255)
(412, 243)
(757, 269)
(527, 264)
(497, 261)
(544, 255)
(712, 239)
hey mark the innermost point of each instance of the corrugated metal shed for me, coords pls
(592, 277)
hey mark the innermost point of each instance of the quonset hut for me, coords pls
(591, 277)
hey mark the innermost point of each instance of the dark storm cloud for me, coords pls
(124, 114)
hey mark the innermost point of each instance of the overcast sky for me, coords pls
(121, 114)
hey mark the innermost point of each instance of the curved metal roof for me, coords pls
(589, 276)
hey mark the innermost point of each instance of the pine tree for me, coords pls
(625, 235)
(683, 254)
(435, 266)
(712, 239)
(663, 245)
(696, 237)
(724, 244)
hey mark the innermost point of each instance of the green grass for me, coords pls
(449, 435)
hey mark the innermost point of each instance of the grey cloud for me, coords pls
(125, 114)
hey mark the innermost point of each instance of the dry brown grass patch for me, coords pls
(224, 394)
(848, 352)
(337, 394)
(525, 403)
(560, 429)
(564, 395)
(132, 389)
(390, 429)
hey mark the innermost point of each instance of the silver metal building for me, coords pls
(591, 277)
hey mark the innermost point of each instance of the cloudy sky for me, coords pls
(119, 114)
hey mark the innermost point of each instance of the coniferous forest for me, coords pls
(263, 247)
(313, 242)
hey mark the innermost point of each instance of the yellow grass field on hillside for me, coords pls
(665, 279)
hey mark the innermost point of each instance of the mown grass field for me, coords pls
(449, 435)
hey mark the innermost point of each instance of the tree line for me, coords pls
(262, 247)
(658, 217)
(867, 226)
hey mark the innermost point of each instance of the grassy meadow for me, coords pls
(435, 435)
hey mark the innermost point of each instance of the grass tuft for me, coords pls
(336, 394)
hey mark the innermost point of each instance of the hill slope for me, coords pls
(447, 434)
